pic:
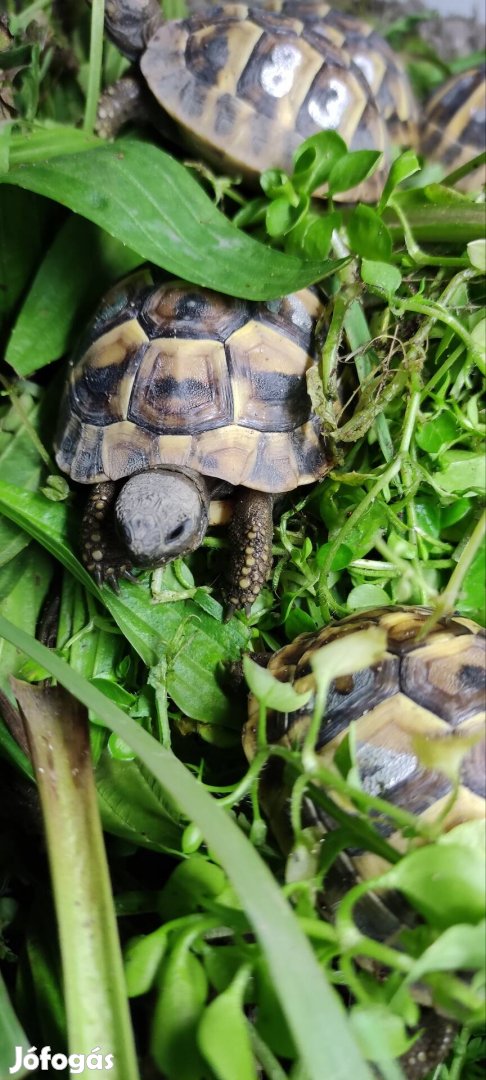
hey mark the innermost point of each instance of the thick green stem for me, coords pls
(98, 1016)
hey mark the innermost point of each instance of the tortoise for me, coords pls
(245, 86)
(433, 685)
(454, 125)
(184, 394)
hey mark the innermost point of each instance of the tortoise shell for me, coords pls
(454, 127)
(174, 374)
(432, 686)
(246, 86)
(381, 67)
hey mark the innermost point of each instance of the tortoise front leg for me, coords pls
(125, 100)
(250, 559)
(101, 551)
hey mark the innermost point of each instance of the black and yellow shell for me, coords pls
(454, 127)
(434, 687)
(179, 375)
(247, 86)
(380, 65)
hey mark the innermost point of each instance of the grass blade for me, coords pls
(312, 1008)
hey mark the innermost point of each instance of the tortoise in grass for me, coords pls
(181, 394)
(433, 685)
(454, 125)
(245, 86)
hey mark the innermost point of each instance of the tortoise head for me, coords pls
(161, 514)
(130, 24)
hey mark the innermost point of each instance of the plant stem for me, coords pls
(446, 602)
(57, 730)
(95, 63)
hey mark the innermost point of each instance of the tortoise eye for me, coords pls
(177, 532)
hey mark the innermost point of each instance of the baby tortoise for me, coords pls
(434, 686)
(245, 85)
(454, 125)
(174, 390)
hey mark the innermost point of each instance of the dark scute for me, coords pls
(472, 677)
(90, 462)
(450, 155)
(474, 133)
(275, 386)
(192, 391)
(416, 794)
(93, 393)
(370, 686)
(193, 99)
(224, 119)
(207, 56)
(445, 685)
(431, 140)
(249, 86)
(309, 456)
(453, 96)
(291, 318)
(473, 769)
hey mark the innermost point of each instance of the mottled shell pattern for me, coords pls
(454, 127)
(174, 374)
(247, 85)
(433, 687)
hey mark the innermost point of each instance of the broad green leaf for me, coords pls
(313, 235)
(382, 277)
(462, 471)
(459, 883)
(314, 159)
(134, 807)
(223, 1036)
(64, 292)
(344, 656)
(476, 250)
(312, 1008)
(32, 574)
(368, 234)
(147, 200)
(460, 948)
(22, 219)
(48, 142)
(192, 885)
(282, 216)
(142, 958)
(472, 597)
(20, 464)
(439, 433)
(270, 691)
(403, 167)
(351, 169)
(176, 1015)
(367, 596)
(380, 1033)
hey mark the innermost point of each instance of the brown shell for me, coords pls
(454, 127)
(179, 375)
(247, 86)
(433, 686)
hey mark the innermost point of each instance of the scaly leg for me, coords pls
(125, 100)
(101, 551)
(250, 559)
